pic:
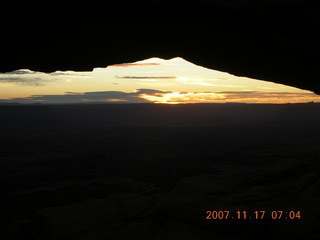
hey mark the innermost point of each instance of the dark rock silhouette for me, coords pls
(269, 40)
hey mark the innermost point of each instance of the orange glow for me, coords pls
(163, 98)
(178, 97)
(211, 97)
(115, 100)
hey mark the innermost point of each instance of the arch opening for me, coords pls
(152, 80)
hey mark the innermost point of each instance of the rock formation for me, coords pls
(269, 40)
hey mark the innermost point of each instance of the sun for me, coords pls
(168, 98)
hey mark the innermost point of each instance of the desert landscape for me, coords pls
(153, 171)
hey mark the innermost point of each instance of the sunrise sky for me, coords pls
(152, 80)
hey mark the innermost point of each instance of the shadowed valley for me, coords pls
(152, 171)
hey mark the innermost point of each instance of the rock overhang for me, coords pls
(269, 40)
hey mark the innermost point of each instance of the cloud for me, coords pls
(146, 77)
(134, 64)
(250, 94)
(21, 71)
(104, 96)
(60, 73)
(240, 92)
(144, 95)
(28, 77)
(269, 97)
(151, 92)
(22, 77)
(22, 80)
(234, 96)
(71, 74)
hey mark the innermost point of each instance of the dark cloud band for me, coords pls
(146, 77)
(141, 96)
(105, 96)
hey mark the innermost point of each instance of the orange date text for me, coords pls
(254, 215)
